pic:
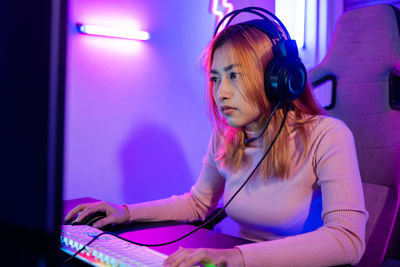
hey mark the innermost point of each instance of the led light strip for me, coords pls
(113, 32)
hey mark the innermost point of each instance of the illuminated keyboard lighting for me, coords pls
(107, 250)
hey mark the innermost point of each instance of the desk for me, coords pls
(161, 232)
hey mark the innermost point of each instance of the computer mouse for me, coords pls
(88, 220)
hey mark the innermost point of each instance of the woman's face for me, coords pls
(228, 92)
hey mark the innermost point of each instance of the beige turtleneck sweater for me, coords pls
(316, 217)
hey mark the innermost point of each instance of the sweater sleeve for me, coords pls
(340, 240)
(194, 205)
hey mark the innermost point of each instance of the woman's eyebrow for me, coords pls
(230, 67)
(226, 69)
(214, 72)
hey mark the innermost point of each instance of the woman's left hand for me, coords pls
(186, 257)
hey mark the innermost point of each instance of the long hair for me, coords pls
(252, 49)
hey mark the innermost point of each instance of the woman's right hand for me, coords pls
(116, 214)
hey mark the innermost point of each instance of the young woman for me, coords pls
(303, 206)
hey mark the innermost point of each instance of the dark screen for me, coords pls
(32, 85)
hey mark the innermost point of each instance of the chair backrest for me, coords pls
(363, 54)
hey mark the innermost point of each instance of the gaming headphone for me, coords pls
(285, 76)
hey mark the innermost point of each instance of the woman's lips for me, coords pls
(227, 110)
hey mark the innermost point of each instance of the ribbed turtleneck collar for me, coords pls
(251, 134)
(260, 141)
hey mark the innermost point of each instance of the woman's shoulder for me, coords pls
(326, 121)
(327, 125)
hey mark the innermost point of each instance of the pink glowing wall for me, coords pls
(136, 125)
(136, 121)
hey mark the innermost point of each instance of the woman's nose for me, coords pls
(224, 91)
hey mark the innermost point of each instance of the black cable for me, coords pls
(249, 140)
(207, 221)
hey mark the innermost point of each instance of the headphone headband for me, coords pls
(254, 10)
(285, 77)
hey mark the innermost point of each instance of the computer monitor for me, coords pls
(32, 86)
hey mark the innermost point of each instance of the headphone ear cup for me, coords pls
(284, 79)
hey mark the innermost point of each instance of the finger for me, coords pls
(187, 257)
(222, 262)
(89, 210)
(103, 222)
(199, 256)
(75, 210)
(172, 258)
(177, 257)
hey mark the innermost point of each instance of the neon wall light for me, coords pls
(300, 22)
(227, 7)
(112, 32)
(292, 14)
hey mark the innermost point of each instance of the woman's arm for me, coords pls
(195, 205)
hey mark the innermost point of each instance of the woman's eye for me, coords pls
(233, 75)
(214, 79)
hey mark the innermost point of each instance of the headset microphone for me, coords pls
(249, 140)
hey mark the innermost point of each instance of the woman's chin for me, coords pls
(234, 124)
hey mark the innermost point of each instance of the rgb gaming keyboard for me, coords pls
(107, 250)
